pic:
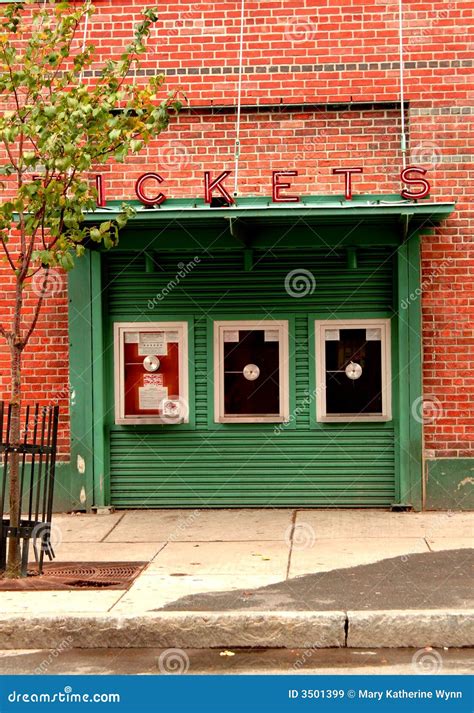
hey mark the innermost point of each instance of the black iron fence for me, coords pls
(37, 463)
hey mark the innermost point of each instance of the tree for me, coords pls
(55, 131)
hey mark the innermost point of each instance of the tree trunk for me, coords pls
(14, 556)
(13, 562)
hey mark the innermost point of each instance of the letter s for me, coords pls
(411, 181)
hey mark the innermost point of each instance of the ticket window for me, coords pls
(353, 370)
(151, 379)
(251, 371)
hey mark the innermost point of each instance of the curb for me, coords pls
(412, 628)
(283, 629)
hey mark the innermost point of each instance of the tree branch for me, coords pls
(7, 253)
(37, 311)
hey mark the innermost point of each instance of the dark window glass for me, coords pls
(362, 395)
(259, 394)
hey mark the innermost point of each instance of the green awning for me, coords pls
(257, 222)
(314, 209)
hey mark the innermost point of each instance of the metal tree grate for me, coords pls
(36, 454)
(78, 575)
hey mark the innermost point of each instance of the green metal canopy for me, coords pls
(258, 222)
(313, 209)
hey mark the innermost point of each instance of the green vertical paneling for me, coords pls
(99, 395)
(80, 378)
(235, 465)
(409, 435)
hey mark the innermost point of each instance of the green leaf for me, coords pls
(136, 145)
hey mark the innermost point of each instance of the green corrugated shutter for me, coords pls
(246, 465)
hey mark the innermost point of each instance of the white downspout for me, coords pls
(403, 137)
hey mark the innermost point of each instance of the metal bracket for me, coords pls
(401, 507)
(248, 259)
(238, 231)
(351, 258)
(405, 219)
(150, 262)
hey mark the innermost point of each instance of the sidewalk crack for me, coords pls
(292, 532)
(113, 526)
(346, 629)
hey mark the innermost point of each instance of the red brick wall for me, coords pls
(318, 52)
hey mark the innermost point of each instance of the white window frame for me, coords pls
(120, 328)
(320, 343)
(280, 325)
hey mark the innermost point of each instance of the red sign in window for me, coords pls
(150, 379)
(150, 384)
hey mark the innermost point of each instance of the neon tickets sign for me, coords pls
(148, 186)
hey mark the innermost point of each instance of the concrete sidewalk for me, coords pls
(198, 552)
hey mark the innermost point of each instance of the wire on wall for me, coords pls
(402, 84)
(239, 100)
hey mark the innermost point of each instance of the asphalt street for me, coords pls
(238, 661)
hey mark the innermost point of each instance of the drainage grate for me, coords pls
(77, 575)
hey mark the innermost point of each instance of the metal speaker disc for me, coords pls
(151, 363)
(353, 370)
(251, 372)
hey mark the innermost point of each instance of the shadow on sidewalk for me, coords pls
(431, 580)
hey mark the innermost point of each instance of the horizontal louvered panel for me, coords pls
(336, 465)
